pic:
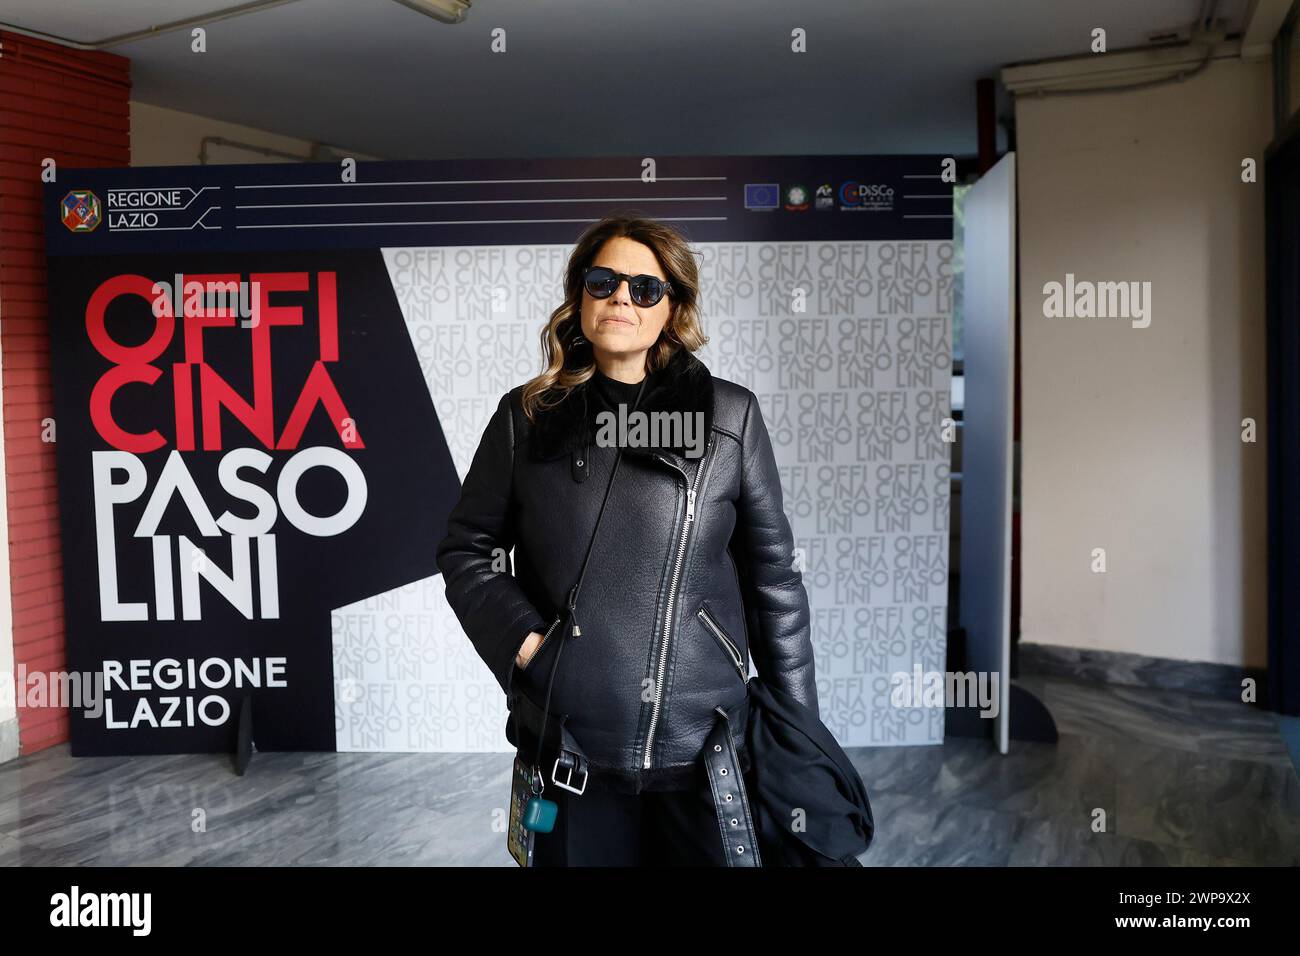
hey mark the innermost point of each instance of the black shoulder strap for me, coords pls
(575, 630)
(582, 573)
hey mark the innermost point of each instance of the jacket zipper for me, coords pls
(545, 637)
(672, 594)
(727, 644)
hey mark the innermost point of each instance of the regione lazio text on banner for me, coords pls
(270, 380)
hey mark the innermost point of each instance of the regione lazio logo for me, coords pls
(80, 211)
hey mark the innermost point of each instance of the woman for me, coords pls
(690, 576)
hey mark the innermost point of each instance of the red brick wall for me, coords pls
(71, 106)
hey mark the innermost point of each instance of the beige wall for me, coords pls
(163, 137)
(1131, 437)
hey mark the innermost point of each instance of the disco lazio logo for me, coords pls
(80, 211)
(866, 197)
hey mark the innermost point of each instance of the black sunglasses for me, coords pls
(646, 290)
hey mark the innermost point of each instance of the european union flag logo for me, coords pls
(762, 195)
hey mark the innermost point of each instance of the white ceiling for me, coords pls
(605, 78)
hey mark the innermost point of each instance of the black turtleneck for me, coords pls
(615, 392)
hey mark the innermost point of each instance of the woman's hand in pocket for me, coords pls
(527, 649)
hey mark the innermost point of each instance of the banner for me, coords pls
(269, 379)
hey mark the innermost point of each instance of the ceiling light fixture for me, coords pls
(444, 11)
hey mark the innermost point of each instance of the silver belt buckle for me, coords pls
(565, 782)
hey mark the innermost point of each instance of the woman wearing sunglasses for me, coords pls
(688, 578)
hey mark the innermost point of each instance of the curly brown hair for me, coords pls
(566, 367)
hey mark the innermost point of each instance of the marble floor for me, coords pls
(1181, 780)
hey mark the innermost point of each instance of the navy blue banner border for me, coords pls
(491, 202)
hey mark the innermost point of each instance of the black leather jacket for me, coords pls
(691, 575)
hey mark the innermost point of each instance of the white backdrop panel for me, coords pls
(847, 345)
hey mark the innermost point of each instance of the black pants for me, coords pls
(651, 828)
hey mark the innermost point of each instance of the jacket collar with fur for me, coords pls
(683, 385)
